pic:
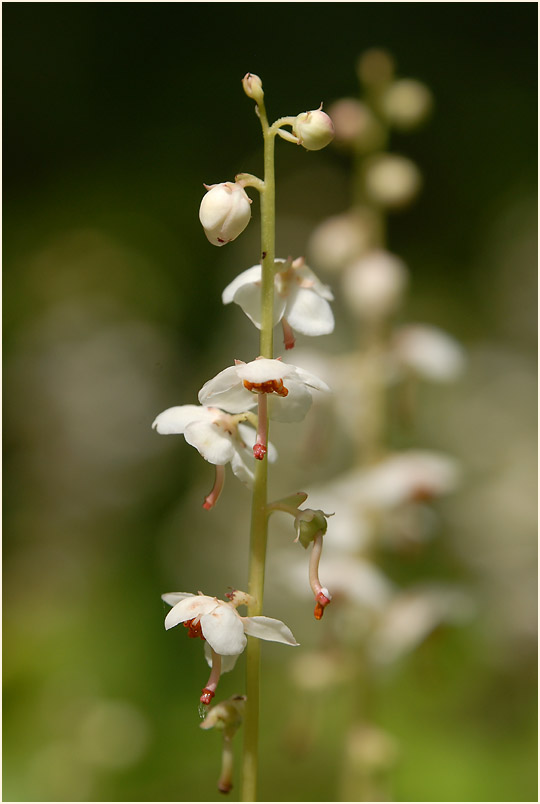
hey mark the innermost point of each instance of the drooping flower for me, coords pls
(240, 386)
(428, 352)
(219, 437)
(222, 628)
(300, 300)
(224, 212)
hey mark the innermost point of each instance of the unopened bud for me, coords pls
(406, 103)
(225, 212)
(375, 67)
(314, 129)
(308, 524)
(391, 180)
(253, 87)
(356, 125)
(342, 238)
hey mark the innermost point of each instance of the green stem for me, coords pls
(259, 513)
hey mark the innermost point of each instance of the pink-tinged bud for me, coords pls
(253, 87)
(314, 129)
(225, 212)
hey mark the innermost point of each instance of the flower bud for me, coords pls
(224, 212)
(253, 87)
(406, 103)
(373, 286)
(375, 67)
(342, 238)
(356, 125)
(391, 180)
(314, 129)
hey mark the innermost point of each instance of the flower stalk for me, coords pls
(259, 514)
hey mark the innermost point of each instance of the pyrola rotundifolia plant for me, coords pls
(231, 425)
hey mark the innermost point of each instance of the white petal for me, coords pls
(223, 630)
(226, 391)
(269, 629)
(311, 380)
(213, 443)
(316, 285)
(243, 466)
(227, 662)
(172, 598)
(309, 314)
(290, 408)
(264, 369)
(189, 608)
(175, 420)
(223, 381)
(250, 276)
(249, 299)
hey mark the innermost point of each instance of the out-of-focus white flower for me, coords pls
(314, 129)
(408, 476)
(373, 286)
(356, 125)
(340, 239)
(300, 299)
(406, 103)
(218, 436)
(429, 352)
(391, 180)
(223, 629)
(238, 387)
(375, 67)
(225, 212)
(413, 614)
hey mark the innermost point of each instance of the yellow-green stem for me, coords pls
(259, 513)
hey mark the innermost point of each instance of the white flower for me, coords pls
(239, 387)
(406, 103)
(224, 212)
(373, 286)
(300, 300)
(392, 180)
(222, 628)
(314, 129)
(429, 352)
(342, 238)
(219, 437)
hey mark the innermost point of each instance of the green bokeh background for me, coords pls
(114, 116)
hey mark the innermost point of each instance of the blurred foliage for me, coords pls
(114, 116)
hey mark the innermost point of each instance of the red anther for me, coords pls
(319, 611)
(207, 505)
(195, 629)
(422, 494)
(206, 696)
(270, 387)
(259, 451)
(224, 787)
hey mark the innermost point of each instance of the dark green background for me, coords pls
(114, 116)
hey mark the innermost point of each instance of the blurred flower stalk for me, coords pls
(231, 425)
(382, 499)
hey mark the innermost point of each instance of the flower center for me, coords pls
(269, 387)
(194, 627)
